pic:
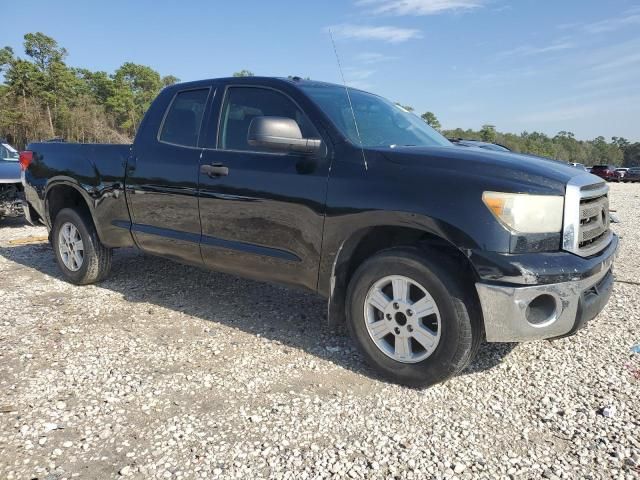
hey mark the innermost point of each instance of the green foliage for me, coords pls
(43, 97)
(632, 155)
(620, 142)
(6, 57)
(169, 80)
(563, 146)
(134, 88)
(24, 79)
(243, 73)
(488, 133)
(431, 119)
(406, 107)
(43, 50)
(98, 85)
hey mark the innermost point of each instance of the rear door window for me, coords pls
(181, 125)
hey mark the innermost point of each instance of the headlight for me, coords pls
(522, 213)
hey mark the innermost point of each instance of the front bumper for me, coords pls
(514, 312)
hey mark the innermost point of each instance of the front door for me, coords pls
(262, 213)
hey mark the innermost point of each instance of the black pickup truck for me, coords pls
(423, 248)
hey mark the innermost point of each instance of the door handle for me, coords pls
(215, 170)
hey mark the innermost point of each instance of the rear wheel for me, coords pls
(411, 318)
(82, 258)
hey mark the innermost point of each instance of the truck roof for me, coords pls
(259, 79)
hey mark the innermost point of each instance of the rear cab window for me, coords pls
(183, 118)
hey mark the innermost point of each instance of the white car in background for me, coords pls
(8, 153)
(579, 166)
(623, 172)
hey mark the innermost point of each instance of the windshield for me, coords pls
(380, 122)
(7, 152)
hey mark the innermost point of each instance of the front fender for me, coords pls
(342, 234)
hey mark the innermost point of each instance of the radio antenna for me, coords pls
(353, 113)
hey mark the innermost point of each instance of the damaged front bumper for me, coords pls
(537, 296)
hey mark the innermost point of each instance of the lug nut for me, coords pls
(396, 306)
(397, 330)
(410, 328)
(409, 313)
(389, 316)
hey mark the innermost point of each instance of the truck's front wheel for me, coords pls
(411, 317)
(80, 254)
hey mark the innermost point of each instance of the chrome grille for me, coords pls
(586, 216)
(594, 222)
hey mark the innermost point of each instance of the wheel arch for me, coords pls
(368, 241)
(67, 194)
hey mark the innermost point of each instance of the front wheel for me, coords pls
(82, 258)
(411, 319)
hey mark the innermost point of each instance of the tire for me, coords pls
(96, 258)
(459, 325)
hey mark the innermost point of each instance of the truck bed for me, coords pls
(97, 171)
(96, 161)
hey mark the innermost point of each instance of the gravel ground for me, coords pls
(167, 371)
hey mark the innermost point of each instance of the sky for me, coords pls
(521, 65)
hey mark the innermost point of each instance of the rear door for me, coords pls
(163, 183)
(264, 218)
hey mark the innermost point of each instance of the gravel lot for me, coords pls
(167, 371)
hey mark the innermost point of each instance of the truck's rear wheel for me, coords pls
(80, 254)
(411, 318)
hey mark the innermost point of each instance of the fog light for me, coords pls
(541, 311)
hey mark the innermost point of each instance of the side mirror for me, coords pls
(280, 134)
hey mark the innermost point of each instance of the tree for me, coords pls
(98, 84)
(24, 79)
(632, 155)
(566, 147)
(488, 133)
(134, 88)
(169, 80)
(602, 152)
(620, 142)
(43, 97)
(405, 107)
(43, 49)
(6, 57)
(431, 119)
(48, 57)
(565, 134)
(243, 73)
(563, 146)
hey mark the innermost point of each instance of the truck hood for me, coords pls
(518, 172)
(9, 172)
